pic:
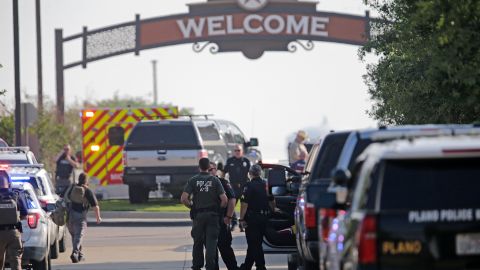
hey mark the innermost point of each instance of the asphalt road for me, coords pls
(113, 248)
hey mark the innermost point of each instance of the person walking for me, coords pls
(208, 198)
(64, 177)
(79, 199)
(297, 147)
(225, 235)
(254, 213)
(237, 168)
(13, 208)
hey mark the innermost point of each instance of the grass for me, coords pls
(157, 205)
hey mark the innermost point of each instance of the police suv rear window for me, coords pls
(163, 136)
(431, 184)
(329, 154)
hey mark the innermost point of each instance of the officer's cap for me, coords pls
(256, 170)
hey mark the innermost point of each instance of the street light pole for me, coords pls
(39, 57)
(155, 94)
(16, 60)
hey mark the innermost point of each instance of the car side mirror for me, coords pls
(341, 177)
(253, 142)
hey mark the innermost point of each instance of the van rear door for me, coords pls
(429, 214)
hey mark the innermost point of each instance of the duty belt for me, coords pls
(261, 212)
(205, 210)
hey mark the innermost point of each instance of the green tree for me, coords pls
(7, 128)
(52, 135)
(429, 61)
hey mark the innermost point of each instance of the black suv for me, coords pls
(164, 154)
(415, 206)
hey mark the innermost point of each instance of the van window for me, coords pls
(226, 133)
(431, 184)
(116, 136)
(172, 136)
(208, 131)
(237, 135)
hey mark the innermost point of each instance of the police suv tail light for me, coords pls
(367, 240)
(32, 220)
(326, 215)
(202, 154)
(310, 216)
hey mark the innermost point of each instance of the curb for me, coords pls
(125, 222)
(141, 215)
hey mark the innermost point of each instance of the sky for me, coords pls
(269, 98)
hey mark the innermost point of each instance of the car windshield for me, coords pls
(163, 136)
(431, 184)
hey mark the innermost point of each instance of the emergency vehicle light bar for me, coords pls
(15, 149)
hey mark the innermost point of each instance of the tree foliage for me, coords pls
(52, 135)
(429, 66)
(7, 128)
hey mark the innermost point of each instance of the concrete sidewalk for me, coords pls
(140, 219)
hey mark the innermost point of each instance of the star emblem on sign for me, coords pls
(252, 5)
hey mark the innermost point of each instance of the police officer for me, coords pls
(254, 213)
(225, 236)
(12, 209)
(237, 168)
(208, 198)
(66, 162)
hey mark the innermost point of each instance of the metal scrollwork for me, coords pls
(200, 47)
(307, 46)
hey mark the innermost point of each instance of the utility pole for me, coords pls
(155, 93)
(16, 60)
(39, 57)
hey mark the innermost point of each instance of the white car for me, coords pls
(17, 155)
(44, 190)
(37, 228)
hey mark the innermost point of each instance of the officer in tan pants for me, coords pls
(12, 209)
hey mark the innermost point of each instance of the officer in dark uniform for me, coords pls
(208, 198)
(254, 213)
(13, 208)
(237, 168)
(225, 236)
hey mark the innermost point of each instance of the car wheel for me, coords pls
(307, 265)
(135, 194)
(44, 264)
(55, 249)
(292, 262)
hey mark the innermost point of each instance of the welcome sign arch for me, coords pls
(251, 27)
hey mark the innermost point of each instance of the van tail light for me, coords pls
(310, 216)
(202, 154)
(367, 240)
(32, 220)
(124, 159)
